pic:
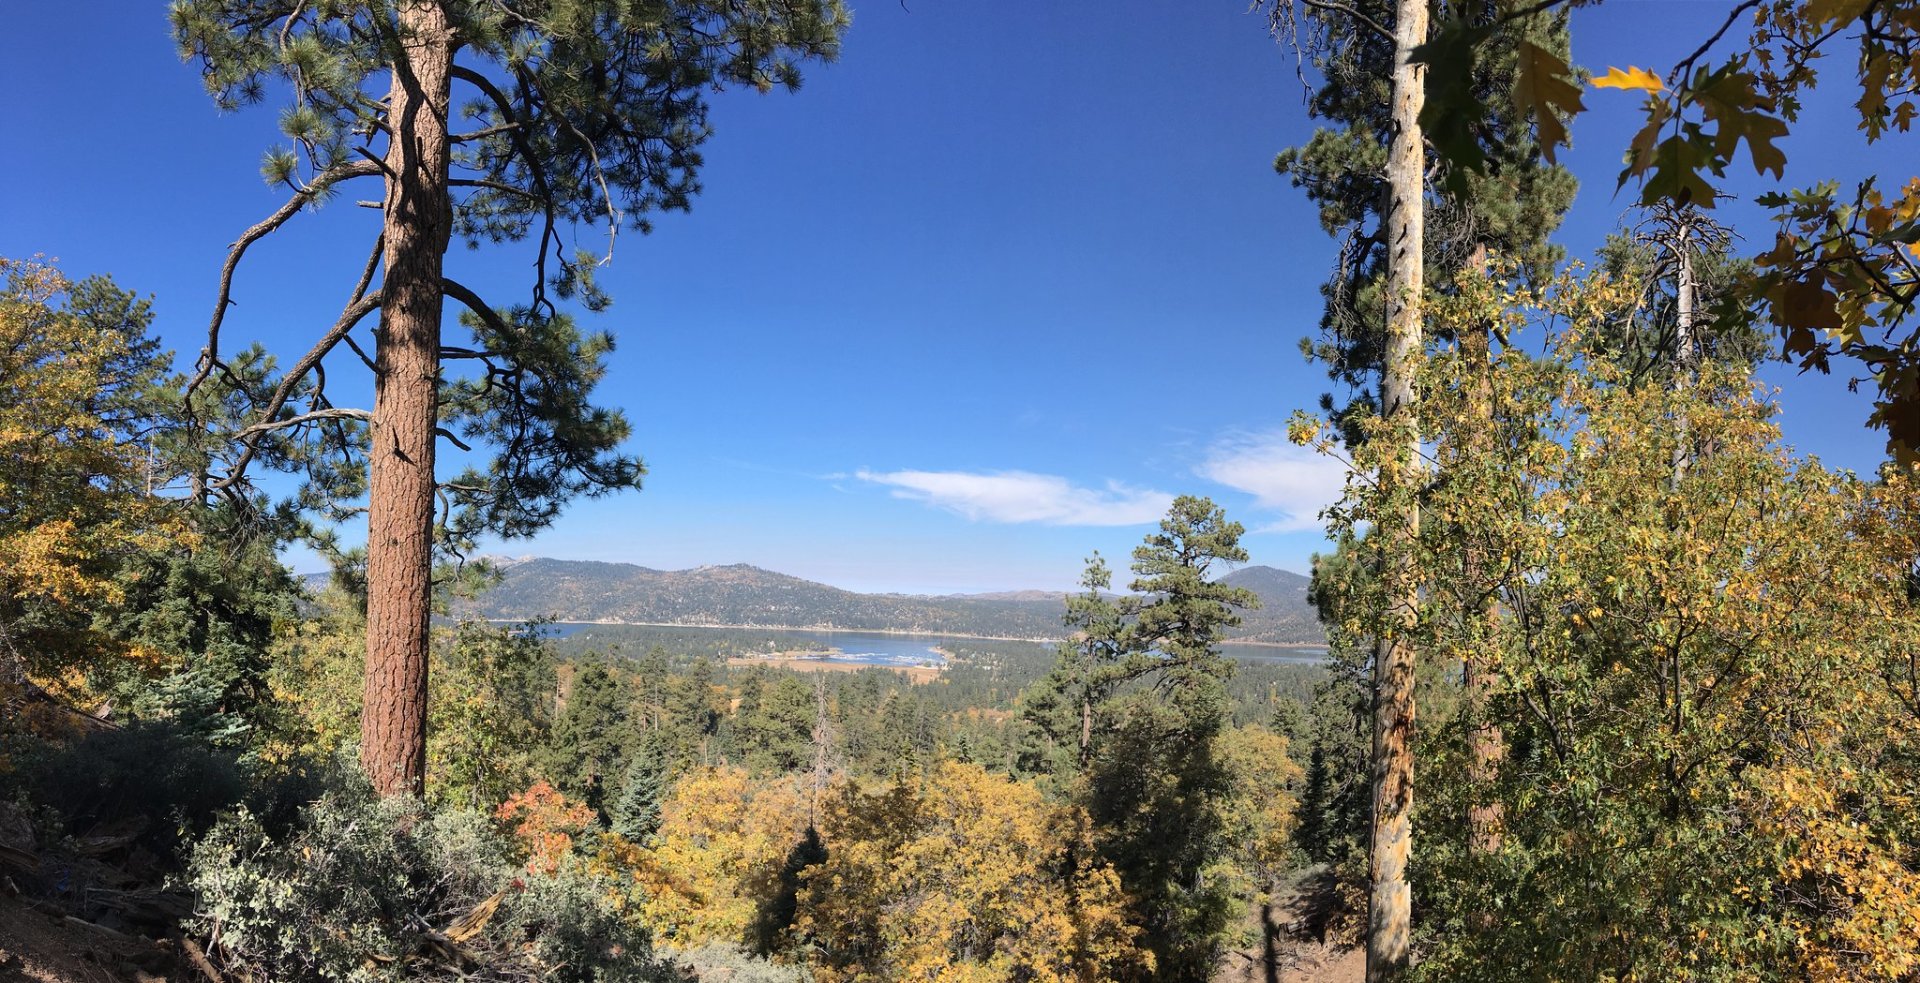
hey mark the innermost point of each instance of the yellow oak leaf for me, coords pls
(1632, 77)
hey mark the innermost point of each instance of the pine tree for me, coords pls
(1368, 174)
(589, 738)
(1669, 245)
(575, 112)
(635, 814)
(1511, 205)
(1133, 710)
(773, 725)
(694, 714)
(1058, 712)
(209, 604)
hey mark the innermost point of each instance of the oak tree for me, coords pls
(78, 379)
(1706, 686)
(1840, 279)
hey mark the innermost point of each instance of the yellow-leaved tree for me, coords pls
(963, 877)
(723, 843)
(1261, 812)
(77, 384)
(1705, 674)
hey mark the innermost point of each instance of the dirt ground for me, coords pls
(1293, 947)
(36, 947)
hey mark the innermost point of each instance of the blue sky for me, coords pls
(978, 300)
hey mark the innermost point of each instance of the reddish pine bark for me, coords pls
(1486, 744)
(419, 219)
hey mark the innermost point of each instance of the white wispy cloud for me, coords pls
(1022, 496)
(1296, 482)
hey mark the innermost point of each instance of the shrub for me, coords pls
(365, 890)
(144, 775)
(724, 962)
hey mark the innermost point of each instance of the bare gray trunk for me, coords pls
(1685, 352)
(1391, 902)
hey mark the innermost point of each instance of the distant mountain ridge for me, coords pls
(747, 596)
(1285, 615)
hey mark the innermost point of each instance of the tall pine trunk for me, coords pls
(1390, 907)
(418, 225)
(1486, 744)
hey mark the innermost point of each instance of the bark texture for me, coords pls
(419, 219)
(1486, 744)
(1487, 748)
(1685, 352)
(1390, 904)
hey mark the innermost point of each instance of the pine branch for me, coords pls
(249, 437)
(209, 356)
(473, 302)
(483, 134)
(366, 274)
(451, 438)
(330, 413)
(500, 186)
(1330, 6)
(543, 191)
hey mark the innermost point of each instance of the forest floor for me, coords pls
(37, 947)
(1295, 944)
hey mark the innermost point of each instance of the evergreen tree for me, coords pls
(590, 738)
(773, 726)
(652, 682)
(1669, 246)
(1155, 785)
(1057, 714)
(694, 714)
(1511, 204)
(636, 813)
(1289, 719)
(569, 113)
(1134, 709)
(209, 604)
(856, 708)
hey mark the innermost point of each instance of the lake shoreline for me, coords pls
(812, 628)
(1321, 646)
(917, 673)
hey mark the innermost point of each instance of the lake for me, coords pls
(857, 647)
(1306, 655)
(874, 648)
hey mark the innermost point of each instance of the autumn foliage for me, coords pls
(1703, 678)
(964, 876)
(74, 367)
(545, 823)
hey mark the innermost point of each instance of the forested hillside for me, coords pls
(745, 596)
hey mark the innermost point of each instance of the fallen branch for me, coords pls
(117, 936)
(198, 957)
(22, 860)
